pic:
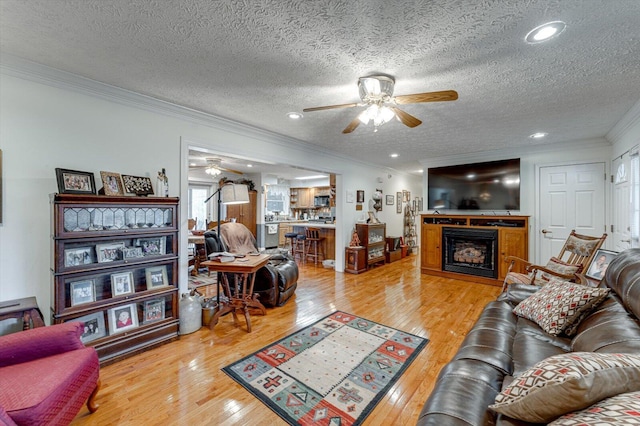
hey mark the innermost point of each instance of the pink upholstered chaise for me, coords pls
(46, 375)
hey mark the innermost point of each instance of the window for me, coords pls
(197, 208)
(278, 199)
(635, 197)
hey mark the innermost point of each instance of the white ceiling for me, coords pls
(254, 61)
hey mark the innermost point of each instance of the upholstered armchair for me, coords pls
(46, 375)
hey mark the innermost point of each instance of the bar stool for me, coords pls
(315, 244)
(291, 239)
(300, 250)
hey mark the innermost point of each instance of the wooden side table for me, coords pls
(242, 298)
(355, 259)
(26, 308)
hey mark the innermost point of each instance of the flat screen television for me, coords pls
(492, 185)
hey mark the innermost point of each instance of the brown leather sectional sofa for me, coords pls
(502, 345)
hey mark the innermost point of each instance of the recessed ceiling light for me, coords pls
(471, 176)
(249, 165)
(192, 164)
(545, 32)
(294, 115)
(394, 155)
(538, 135)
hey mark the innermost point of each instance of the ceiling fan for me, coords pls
(376, 93)
(214, 167)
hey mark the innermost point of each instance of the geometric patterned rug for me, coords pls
(332, 372)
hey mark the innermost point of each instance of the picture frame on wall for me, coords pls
(82, 292)
(94, 326)
(153, 310)
(75, 182)
(398, 202)
(78, 256)
(600, 263)
(156, 277)
(389, 200)
(111, 183)
(122, 283)
(360, 196)
(123, 318)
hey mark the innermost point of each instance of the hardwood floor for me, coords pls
(181, 382)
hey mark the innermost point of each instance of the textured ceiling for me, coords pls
(254, 61)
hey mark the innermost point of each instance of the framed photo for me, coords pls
(406, 195)
(82, 292)
(132, 252)
(600, 263)
(152, 246)
(398, 202)
(153, 310)
(389, 200)
(122, 283)
(75, 182)
(93, 326)
(156, 277)
(109, 252)
(111, 183)
(360, 196)
(123, 318)
(138, 185)
(78, 256)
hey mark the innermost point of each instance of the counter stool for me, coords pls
(291, 239)
(315, 244)
(300, 250)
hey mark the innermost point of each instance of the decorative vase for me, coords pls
(190, 313)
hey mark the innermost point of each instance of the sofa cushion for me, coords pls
(559, 305)
(565, 383)
(556, 265)
(621, 409)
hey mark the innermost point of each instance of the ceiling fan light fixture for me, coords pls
(545, 32)
(212, 171)
(375, 88)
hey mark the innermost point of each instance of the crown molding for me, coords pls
(630, 119)
(15, 66)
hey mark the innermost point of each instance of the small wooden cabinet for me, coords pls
(245, 214)
(372, 237)
(114, 266)
(355, 260)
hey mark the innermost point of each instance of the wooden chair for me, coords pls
(315, 244)
(191, 224)
(574, 258)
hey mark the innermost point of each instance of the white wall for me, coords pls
(50, 119)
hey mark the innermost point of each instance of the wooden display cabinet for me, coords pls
(372, 237)
(114, 266)
(246, 214)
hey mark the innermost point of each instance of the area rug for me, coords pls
(332, 372)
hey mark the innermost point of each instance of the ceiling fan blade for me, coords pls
(224, 169)
(330, 107)
(406, 118)
(445, 95)
(352, 126)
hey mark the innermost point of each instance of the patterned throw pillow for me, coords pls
(564, 383)
(559, 305)
(556, 265)
(623, 409)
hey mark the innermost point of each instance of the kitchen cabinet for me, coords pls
(245, 213)
(114, 266)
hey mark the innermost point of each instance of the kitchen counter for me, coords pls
(304, 223)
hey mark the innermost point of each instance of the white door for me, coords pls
(622, 204)
(571, 197)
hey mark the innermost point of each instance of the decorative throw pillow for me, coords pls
(623, 409)
(556, 265)
(564, 383)
(559, 305)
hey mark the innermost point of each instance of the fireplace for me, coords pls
(470, 251)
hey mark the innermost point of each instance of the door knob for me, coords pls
(544, 231)
(626, 241)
